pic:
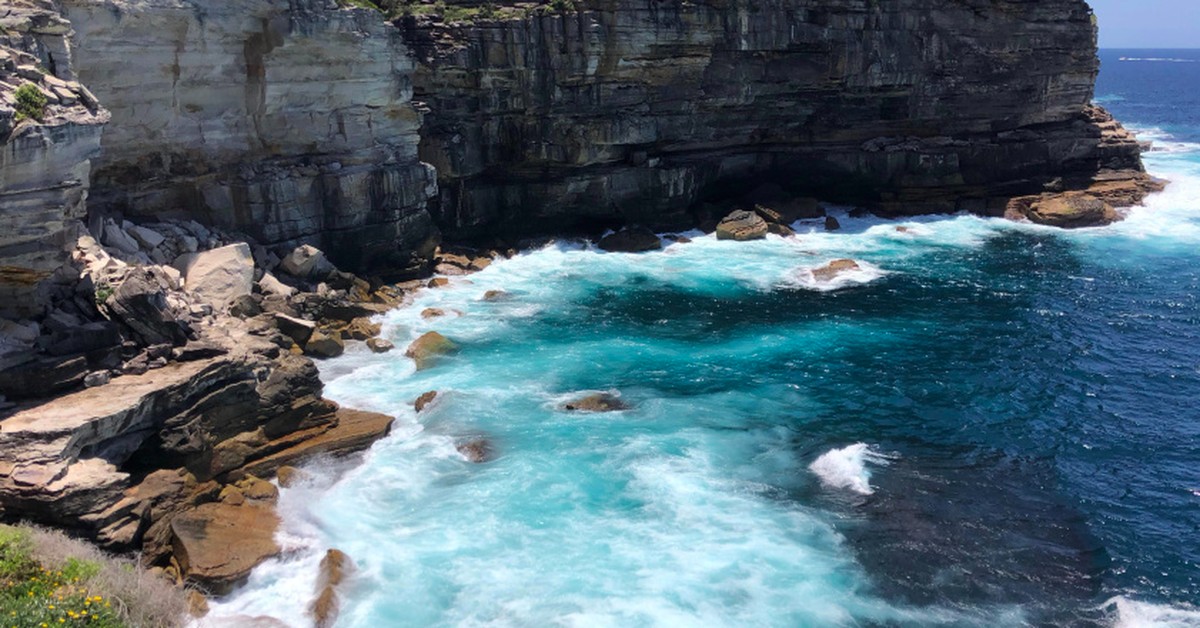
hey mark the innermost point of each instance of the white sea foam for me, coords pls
(864, 274)
(846, 468)
(1158, 60)
(1134, 614)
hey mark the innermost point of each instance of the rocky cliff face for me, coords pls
(288, 120)
(44, 161)
(637, 110)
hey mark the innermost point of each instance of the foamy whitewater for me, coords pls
(988, 424)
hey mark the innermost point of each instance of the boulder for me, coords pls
(780, 229)
(832, 224)
(148, 238)
(742, 225)
(42, 378)
(631, 240)
(323, 345)
(830, 271)
(218, 544)
(115, 237)
(477, 451)
(437, 282)
(360, 329)
(424, 400)
(1072, 211)
(495, 295)
(306, 262)
(289, 476)
(335, 567)
(596, 402)
(270, 285)
(380, 345)
(432, 312)
(219, 276)
(140, 303)
(299, 330)
(427, 348)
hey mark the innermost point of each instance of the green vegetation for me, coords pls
(103, 291)
(35, 594)
(31, 102)
(48, 579)
(362, 4)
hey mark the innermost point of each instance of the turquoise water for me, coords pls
(991, 424)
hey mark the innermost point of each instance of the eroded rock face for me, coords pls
(45, 164)
(290, 121)
(629, 112)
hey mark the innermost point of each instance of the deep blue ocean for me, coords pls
(990, 424)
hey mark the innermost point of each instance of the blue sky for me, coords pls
(1148, 23)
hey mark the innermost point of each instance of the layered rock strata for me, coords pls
(620, 112)
(45, 158)
(287, 120)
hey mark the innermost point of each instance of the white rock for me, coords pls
(218, 276)
(306, 262)
(173, 276)
(271, 285)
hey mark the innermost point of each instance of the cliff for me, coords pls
(632, 111)
(288, 121)
(45, 158)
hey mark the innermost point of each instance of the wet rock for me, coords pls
(424, 400)
(832, 224)
(197, 604)
(830, 271)
(380, 345)
(631, 240)
(324, 345)
(438, 282)
(429, 347)
(780, 230)
(432, 312)
(335, 567)
(217, 544)
(477, 451)
(495, 295)
(1072, 211)
(289, 476)
(219, 276)
(596, 402)
(742, 225)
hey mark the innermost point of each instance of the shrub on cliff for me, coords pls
(31, 102)
(49, 579)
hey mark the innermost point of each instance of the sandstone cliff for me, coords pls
(44, 161)
(620, 111)
(287, 120)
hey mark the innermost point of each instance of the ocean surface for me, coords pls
(991, 424)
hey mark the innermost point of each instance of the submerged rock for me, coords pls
(432, 312)
(832, 224)
(495, 295)
(428, 347)
(631, 240)
(477, 451)
(596, 402)
(424, 400)
(742, 225)
(830, 271)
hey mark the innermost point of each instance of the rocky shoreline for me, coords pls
(177, 247)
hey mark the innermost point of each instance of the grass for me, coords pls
(31, 102)
(48, 579)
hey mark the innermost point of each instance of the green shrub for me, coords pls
(48, 579)
(31, 102)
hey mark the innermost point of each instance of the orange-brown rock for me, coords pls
(335, 568)
(477, 451)
(424, 400)
(218, 544)
(830, 271)
(432, 312)
(429, 347)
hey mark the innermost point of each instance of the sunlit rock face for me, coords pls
(635, 111)
(288, 121)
